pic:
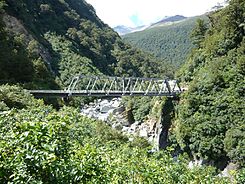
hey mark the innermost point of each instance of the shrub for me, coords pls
(15, 96)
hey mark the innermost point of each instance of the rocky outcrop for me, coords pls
(16, 28)
(165, 118)
(229, 171)
(154, 129)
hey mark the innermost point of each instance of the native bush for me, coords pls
(42, 145)
(211, 113)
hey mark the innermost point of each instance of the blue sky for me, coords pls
(136, 20)
(142, 12)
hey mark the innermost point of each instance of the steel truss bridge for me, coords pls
(114, 86)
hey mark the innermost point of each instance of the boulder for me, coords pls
(195, 163)
(118, 110)
(230, 168)
(143, 132)
(104, 102)
(106, 109)
(102, 117)
(115, 104)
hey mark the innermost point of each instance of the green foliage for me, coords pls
(240, 177)
(70, 60)
(2, 4)
(198, 33)
(145, 107)
(15, 66)
(211, 113)
(169, 42)
(140, 106)
(21, 65)
(41, 145)
(234, 143)
(41, 149)
(14, 96)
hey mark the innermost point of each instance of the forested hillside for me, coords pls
(169, 42)
(45, 43)
(210, 122)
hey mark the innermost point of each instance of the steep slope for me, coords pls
(61, 38)
(210, 122)
(168, 42)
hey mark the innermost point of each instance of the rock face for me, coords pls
(112, 112)
(227, 172)
(165, 123)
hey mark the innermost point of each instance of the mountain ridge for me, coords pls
(169, 20)
(170, 42)
(123, 30)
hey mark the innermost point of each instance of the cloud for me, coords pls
(138, 12)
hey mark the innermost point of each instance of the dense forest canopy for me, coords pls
(210, 122)
(169, 42)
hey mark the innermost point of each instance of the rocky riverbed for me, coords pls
(113, 112)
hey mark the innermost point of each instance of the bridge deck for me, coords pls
(114, 86)
(62, 93)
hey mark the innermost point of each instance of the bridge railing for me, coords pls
(92, 85)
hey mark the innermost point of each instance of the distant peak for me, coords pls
(170, 19)
(122, 30)
(219, 6)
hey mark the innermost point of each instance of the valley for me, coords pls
(168, 39)
(197, 137)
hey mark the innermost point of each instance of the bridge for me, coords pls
(114, 86)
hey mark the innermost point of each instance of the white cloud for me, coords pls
(120, 12)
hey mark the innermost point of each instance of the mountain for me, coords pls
(219, 6)
(168, 20)
(168, 39)
(45, 43)
(122, 30)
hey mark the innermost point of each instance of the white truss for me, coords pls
(122, 86)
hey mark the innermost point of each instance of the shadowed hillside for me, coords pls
(45, 43)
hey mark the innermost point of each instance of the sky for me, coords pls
(134, 13)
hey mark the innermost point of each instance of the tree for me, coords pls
(2, 4)
(211, 112)
(198, 33)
